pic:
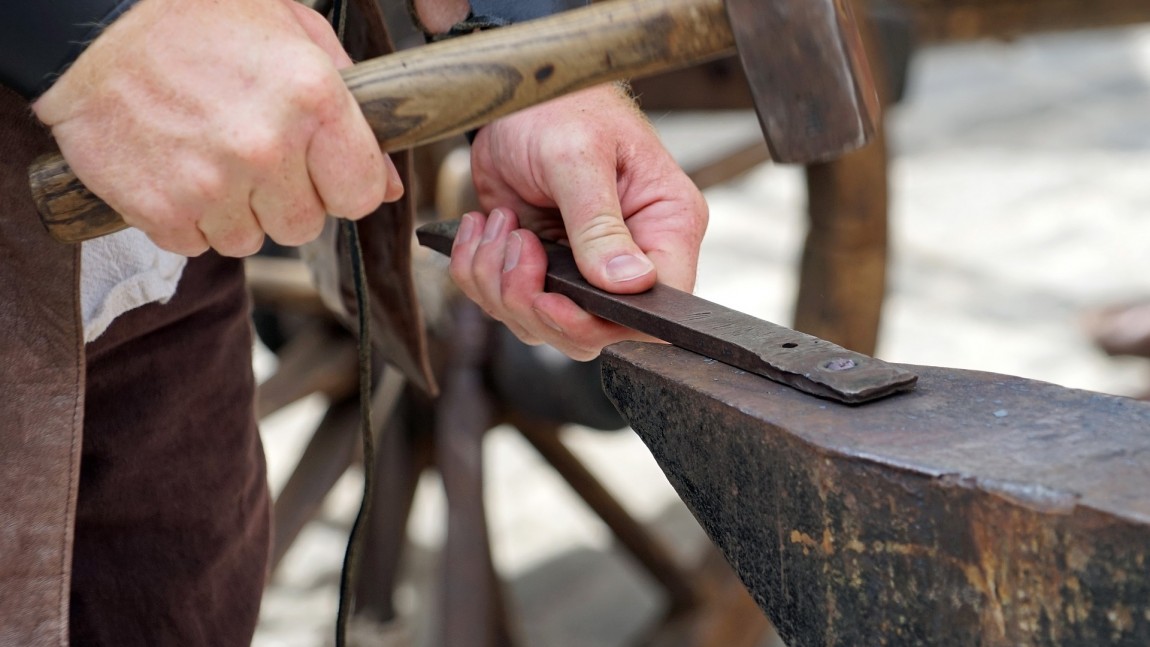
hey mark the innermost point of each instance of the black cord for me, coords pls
(356, 538)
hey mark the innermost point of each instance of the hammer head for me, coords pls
(808, 73)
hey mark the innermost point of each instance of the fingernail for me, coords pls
(627, 267)
(494, 225)
(394, 190)
(547, 320)
(511, 255)
(466, 229)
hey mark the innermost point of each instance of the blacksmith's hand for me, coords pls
(210, 124)
(587, 169)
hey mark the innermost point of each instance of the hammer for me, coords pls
(804, 61)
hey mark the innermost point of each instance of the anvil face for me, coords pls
(979, 509)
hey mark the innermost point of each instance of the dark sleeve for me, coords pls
(522, 10)
(489, 14)
(41, 38)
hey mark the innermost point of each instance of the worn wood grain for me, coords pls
(428, 93)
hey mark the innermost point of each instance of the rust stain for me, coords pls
(808, 542)
(828, 542)
(825, 547)
(1122, 619)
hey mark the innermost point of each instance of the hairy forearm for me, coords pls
(42, 38)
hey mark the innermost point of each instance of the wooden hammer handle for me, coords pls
(428, 93)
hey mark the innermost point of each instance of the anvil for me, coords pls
(979, 509)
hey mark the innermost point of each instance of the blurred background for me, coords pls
(1019, 177)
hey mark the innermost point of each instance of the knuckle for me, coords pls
(359, 202)
(316, 87)
(603, 227)
(172, 226)
(258, 148)
(148, 210)
(207, 184)
(239, 243)
(301, 227)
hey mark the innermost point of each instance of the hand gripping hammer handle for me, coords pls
(420, 95)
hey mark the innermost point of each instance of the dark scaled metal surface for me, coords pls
(979, 509)
(786, 356)
(816, 77)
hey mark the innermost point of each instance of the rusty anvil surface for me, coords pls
(979, 509)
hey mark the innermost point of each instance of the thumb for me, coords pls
(607, 255)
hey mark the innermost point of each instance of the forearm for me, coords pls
(41, 38)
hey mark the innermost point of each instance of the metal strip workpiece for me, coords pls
(799, 360)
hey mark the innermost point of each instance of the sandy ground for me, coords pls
(1021, 200)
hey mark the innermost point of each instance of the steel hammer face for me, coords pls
(808, 73)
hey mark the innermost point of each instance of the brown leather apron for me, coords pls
(142, 446)
(42, 398)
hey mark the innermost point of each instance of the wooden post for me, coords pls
(842, 277)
